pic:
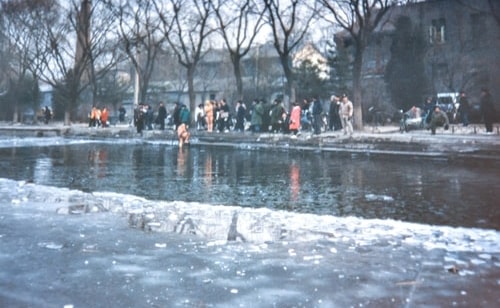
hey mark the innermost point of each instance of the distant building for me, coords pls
(261, 70)
(45, 96)
(310, 53)
(462, 52)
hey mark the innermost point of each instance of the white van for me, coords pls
(448, 102)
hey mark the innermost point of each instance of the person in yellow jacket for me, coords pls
(93, 117)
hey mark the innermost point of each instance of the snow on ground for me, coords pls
(67, 248)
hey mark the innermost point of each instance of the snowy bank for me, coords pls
(220, 224)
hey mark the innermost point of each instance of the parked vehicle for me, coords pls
(448, 102)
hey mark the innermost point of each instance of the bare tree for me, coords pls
(186, 28)
(71, 50)
(238, 32)
(289, 24)
(94, 24)
(20, 32)
(359, 18)
(142, 38)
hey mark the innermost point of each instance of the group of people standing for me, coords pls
(341, 113)
(486, 106)
(264, 117)
(99, 117)
(433, 116)
(311, 113)
(144, 117)
(216, 115)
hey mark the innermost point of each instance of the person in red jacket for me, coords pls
(104, 117)
(295, 119)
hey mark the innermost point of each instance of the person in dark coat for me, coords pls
(176, 115)
(487, 109)
(139, 115)
(47, 114)
(241, 111)
(257, 114)
(224, 119)
(317, 119)
(463, 108)
(334, 118)
(121, 114)
(276, 116)
(428, 108)
(162, 115)
(438, 118)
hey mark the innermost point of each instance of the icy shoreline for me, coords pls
(221, 224)
(457, 143)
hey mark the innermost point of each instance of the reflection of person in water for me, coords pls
(98, 158)
(208, 170)
(181, 161)
(294, 182)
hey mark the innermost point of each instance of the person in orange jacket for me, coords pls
(104, 117)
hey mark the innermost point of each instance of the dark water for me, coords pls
(410, 189)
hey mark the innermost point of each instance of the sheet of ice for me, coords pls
(219, 224)
(60, 141)
(62, 247)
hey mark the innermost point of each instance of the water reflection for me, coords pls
(428, 191)
(294, 182)
(97, 161)
(208, 174)
(181, 161)
(42, 171)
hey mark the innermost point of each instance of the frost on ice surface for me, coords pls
(223, 224)
(51, 245)
(194, 254)
(374, 197)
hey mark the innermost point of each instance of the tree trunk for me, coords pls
(357, 98)
(15, 116)
(67, 117)
(192, 96)
(237, 75)
(290, 89)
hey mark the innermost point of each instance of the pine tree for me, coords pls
(340, 64)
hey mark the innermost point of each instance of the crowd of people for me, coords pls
(260, 116)
(217, 116)
(431, 115)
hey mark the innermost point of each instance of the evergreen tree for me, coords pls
(405, 72)
(340, 68)
(308, 80)
(22, 96)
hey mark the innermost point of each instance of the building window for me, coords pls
(437, 31)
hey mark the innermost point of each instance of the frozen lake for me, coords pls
(242, 228)
(421, 190)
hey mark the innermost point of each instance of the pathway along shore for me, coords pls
(456, 143)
